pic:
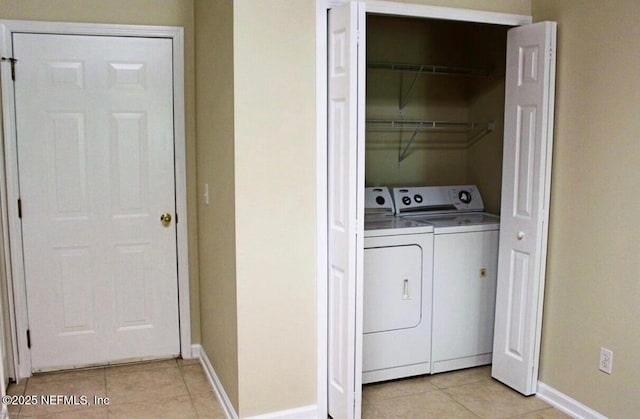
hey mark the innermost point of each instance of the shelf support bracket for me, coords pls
(475, 137)
(404, 97)
(405, 151)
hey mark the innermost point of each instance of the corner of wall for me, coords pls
(215, 168)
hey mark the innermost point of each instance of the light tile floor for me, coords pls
(173, 388)
(180, 389)
(470, 393)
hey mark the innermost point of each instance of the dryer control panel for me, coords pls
(377, 200)
(438, 199)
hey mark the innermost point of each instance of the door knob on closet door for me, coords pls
(165, 219)
(520, 235)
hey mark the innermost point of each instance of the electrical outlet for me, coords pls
(606, 360)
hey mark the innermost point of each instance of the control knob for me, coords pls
(464, 197)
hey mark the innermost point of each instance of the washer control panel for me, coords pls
(438, 198)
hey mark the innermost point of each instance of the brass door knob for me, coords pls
(165, 219)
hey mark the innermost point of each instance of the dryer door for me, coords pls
(397, 307)
(392, 288)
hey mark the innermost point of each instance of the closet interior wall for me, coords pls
(436, 157)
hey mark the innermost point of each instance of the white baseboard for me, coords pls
(305, 412)
(198, 352)
(196, 349)
(566, 404)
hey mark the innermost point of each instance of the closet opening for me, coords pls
(439, 137)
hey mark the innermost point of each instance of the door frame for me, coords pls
(322, 242)
(9, 188)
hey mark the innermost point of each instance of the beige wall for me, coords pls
(593, 287)
(216, 221)
(140, 12)
(274, 56)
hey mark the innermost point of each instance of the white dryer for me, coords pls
(464, 274)
(397, 292)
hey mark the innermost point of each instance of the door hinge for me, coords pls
(28, 338)
(13, 62)
(19, 208)
(176, 218)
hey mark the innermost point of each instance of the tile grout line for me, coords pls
(193, 406)
(433, 388)
(480, 379)
(106, 394)
(24, 392)
(460, 404)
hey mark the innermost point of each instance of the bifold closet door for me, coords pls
(529, 100)
(346, 192)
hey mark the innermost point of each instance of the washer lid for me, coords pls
(460, 222)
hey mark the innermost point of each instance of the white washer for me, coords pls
(464, 274)
(397, 292)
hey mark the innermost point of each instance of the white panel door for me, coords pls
(345, 121)
(96, 168)
(525, 201)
